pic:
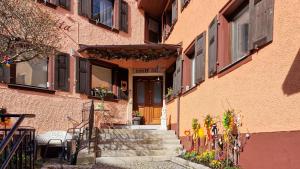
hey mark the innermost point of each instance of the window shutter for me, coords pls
(62, 66)
(13, 73)
(261, 22)
(224, 57)
(124, 16)
(174, 11)
(177, 81)
(4, 74)
(212, 47)
(83, 83)
(200, 58)
(85, 8)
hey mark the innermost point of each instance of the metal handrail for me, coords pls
(8, 142)
(13, 151)
(14, 128)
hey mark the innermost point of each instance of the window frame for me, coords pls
(113, 67)
(230, 11)
(189, 54)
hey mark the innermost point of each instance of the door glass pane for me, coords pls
(157, 97)
(140, 92)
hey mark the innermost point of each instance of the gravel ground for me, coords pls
(137, 165)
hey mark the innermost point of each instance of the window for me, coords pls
(239, 35)
(106, 13)
(103, 12)
(194, 62)
(32, 73)
(101, 77)
(152, 30)
(247, 25)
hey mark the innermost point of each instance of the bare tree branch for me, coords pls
(26, 31)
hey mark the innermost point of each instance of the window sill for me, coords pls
(108, 99)
(31, 88)
(103, 26)
(191, 89)
(236, 63)
(169, 100)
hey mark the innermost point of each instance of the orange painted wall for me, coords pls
(266, 90)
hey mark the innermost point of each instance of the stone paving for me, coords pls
(136, 165)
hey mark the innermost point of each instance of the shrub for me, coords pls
(190, 155)
(215, 164)
(206, 157)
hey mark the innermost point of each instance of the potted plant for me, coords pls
(101, 92)
(137, 118)
(169, 93)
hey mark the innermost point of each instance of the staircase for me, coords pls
(136, 143)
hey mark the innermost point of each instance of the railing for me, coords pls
(84, 130)
(17, 147)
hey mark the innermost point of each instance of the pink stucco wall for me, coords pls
(265, 90)
(52, 110)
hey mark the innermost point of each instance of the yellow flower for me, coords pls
(201, 133)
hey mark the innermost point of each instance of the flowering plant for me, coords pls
(4, 121)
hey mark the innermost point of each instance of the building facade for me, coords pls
(261, 84)
(215, 55)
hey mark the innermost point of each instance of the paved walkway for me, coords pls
(136, 165)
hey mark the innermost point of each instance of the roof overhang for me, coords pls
(153, 8)
(144, 52)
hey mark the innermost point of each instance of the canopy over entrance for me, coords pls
(144, 52)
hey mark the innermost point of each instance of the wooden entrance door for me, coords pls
(148, 98)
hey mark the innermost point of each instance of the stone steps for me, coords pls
(137, 136)
(140, 141)
(135, 131)
(139, 146)
(137, 142)
(133, 153)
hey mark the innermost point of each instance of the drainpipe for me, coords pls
(178, 117)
